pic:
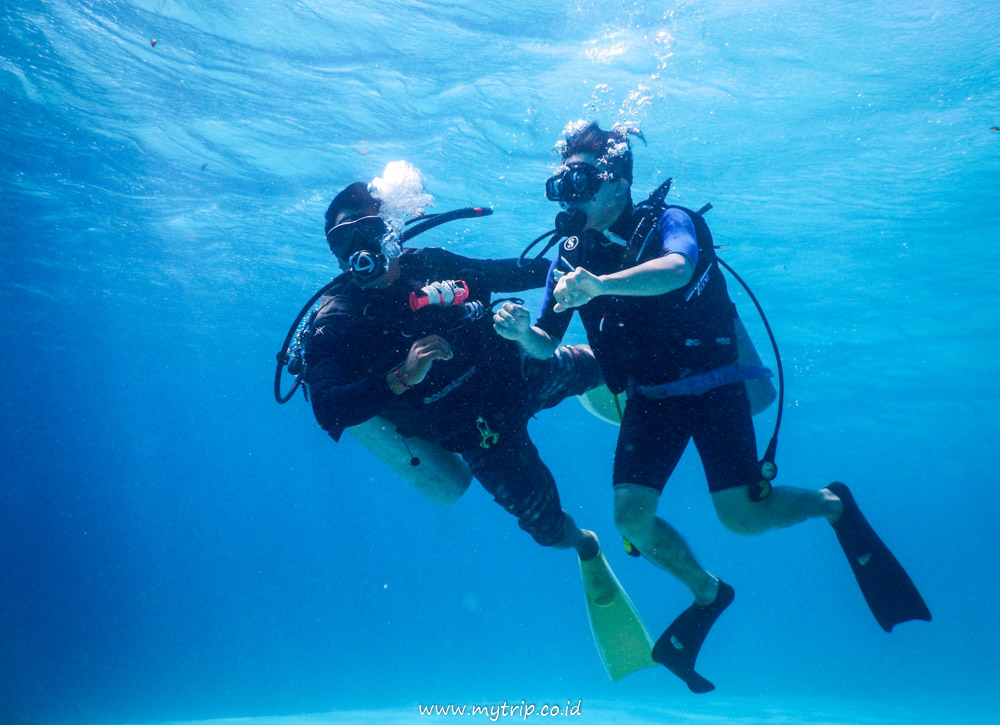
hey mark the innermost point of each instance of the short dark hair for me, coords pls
(354, 198)
(612, 148)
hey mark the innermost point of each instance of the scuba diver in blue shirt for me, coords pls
(646, 281)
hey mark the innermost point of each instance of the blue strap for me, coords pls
(703, 382)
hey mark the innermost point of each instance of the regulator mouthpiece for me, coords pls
(570, 223)
(368, 266)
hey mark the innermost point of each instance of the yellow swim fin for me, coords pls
(621, 638)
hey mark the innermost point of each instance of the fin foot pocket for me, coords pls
(678, 647)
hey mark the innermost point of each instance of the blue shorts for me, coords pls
(654, 434)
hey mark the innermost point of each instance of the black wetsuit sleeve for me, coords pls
(339, 406)
(342, 394)
(507, 276)
(552, 322)
(496, 275)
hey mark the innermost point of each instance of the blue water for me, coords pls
(175, 546)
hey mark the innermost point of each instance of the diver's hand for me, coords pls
(575, 289)
(421, 357)
(512, 321)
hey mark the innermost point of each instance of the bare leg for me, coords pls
(635, 516)
(785, 506)
(678, 647)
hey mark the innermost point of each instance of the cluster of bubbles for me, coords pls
(664, 54)
(623, 130)
(634, 31)
(400, 189)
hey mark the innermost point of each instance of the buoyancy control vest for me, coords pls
(659, 339)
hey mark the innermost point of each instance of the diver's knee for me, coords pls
(635, 511)
(738, 513)
(633, 523)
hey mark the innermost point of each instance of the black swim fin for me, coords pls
(678, 647)
(888, 589)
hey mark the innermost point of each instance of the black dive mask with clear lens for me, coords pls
(359, 243)
(351, 236)
(577, 182)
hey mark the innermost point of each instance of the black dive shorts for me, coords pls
(514, 473)
(654, 434)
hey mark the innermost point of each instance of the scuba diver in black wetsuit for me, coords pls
(647, 283)
(408, 337)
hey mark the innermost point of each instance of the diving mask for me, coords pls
(365, 245)
(577, 182)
